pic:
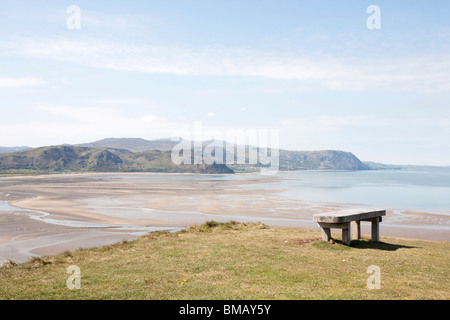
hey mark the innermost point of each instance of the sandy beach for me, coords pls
(49, 214)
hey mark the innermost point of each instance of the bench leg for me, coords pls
(326, 234)
(375, 230)
(357, 230)
(346, 235)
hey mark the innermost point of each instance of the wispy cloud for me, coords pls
(339, 132)
(20, 82)
(57, 124)
(417, 73)
(120, 101)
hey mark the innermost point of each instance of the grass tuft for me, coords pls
(212, 225)
(39, 262)
(8, 264)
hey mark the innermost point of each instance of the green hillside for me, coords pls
(83, 159)
(327, 159)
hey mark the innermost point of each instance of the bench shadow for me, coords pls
(366, 244)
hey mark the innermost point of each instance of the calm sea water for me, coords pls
(427, 191)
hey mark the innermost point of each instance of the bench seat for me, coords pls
(342, 219)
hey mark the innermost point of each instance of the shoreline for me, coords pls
(90, 216)
(64, 239)
(142, 224)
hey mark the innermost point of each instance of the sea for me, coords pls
(424, 191)
(415, 190)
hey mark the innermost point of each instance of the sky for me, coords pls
(311, 70)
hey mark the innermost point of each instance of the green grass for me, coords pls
(237, 261)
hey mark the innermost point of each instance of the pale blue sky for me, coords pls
(311, 69)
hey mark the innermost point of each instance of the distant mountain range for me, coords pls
(140, 155)
(382, 166)
(131, 144)
(13, 149)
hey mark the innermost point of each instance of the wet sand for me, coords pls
(43, 215)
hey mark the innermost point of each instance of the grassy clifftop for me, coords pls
(237, 261)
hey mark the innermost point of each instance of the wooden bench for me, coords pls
(343, 219)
